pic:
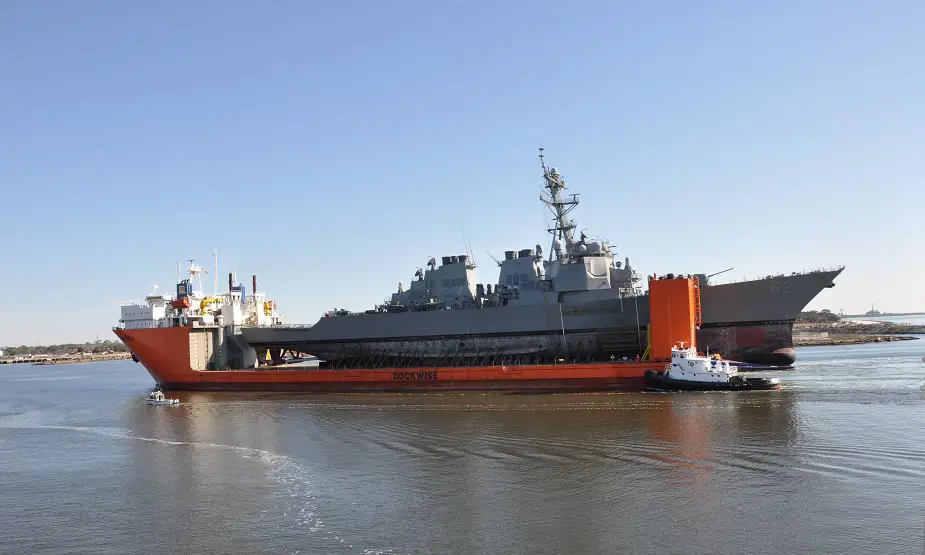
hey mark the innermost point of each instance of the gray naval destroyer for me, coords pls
(579, 303)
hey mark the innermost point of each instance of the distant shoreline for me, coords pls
(853, 333)
(48, 360)
(884, 315)
(850, 340)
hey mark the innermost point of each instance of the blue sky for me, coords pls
(332, 147)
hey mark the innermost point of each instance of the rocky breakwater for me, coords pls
(852, 333)
(45, 360)
(74, 359)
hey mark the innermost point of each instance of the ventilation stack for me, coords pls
(674, 314)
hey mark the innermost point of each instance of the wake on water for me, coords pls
(297, 499)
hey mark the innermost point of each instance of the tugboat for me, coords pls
(157, 398)
(689, 371)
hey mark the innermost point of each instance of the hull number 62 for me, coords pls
(780, 287)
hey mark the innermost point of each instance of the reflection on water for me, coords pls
(834, 463)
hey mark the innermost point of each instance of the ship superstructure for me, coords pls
(149, 313)
(192, 306)
(525, 277)
(233, 308)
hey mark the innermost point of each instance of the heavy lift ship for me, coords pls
(190, 347)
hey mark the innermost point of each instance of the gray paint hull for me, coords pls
(749, 321)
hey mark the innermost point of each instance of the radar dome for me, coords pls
(594, 247)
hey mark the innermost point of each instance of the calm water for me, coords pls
(833, 464)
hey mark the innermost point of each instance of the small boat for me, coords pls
(157, 398)
(689, 371)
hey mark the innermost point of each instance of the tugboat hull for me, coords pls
(655, 379)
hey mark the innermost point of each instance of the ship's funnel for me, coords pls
(254, 290)
(230, 282)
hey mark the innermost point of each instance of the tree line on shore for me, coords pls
(66, 348)
(847, 327)
(823, 316)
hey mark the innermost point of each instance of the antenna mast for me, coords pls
(471, 263)
(559, 206)
(195, 273)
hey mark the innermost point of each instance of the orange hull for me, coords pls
(165, 353)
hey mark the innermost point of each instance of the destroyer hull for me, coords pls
(170, 354)
(749, 321)
(755, 343)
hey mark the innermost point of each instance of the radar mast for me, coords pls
(564, 229)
